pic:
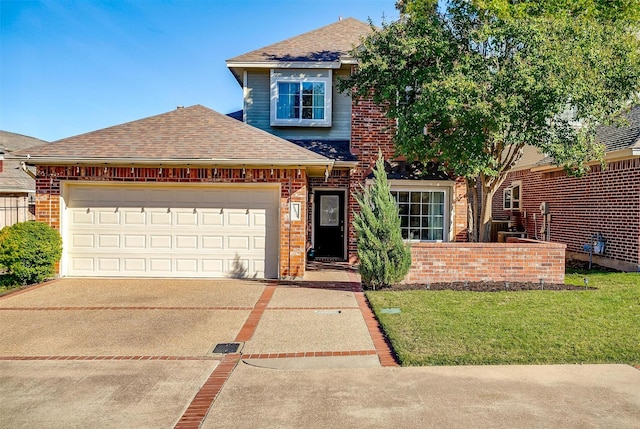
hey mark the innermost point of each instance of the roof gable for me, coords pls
(330, 43)
(188, 134)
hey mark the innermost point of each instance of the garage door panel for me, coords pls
(83, 264)
(134, 265)
(137, 217)
(160, 241)
(135, 241)
(238, 243)
(160, 265)
(186, 218)
(83, 240)
(212, 218)
(213, 266)
(83, 217)
(238, 218)
(108, 265)
(160, 230)
(187, 242)
(186, 265)
(160, 218)
(108, 241)
(108, 217)
(212, 242)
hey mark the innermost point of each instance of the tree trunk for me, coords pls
(472, 209)
(486, 216)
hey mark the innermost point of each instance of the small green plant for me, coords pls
(384, 258)
(29, 251)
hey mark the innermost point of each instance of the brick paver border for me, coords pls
(384, 350)
(201, 403)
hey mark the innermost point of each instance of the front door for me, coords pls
(329, 224)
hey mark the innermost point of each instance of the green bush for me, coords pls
(384, 257)
(29, 251)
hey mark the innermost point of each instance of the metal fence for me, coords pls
(14, 210)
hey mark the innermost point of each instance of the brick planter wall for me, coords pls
(518, 261)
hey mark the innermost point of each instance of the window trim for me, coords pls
(507, 196)
(445, 187)
(301, 78)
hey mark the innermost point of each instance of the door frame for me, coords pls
(347, 227)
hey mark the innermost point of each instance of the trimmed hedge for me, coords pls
(29, 251)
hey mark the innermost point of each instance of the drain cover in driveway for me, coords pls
(226, 348)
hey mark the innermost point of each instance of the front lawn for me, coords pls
(531, 327)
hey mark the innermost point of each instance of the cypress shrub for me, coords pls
(384, 257)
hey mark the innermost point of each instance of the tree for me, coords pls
(384, 257)
(471, 82)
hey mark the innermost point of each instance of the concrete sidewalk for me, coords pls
(545, 396)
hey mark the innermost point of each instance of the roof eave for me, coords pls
(51, 160)
(612, 156)
(284, 64)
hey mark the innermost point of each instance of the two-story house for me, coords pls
(290, 90)
(194, 193)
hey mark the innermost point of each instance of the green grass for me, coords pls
(533, 327)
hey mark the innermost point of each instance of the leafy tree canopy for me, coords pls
(471, 82)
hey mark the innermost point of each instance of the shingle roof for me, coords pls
(623, 137)
(338, 150)
(615, 138)
(329, 43)
(192, 133)
(12, 178)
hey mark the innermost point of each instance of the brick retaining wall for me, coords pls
(520, 260)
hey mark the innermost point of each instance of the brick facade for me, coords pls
(605, 201)
(521, 261)
(293, 188)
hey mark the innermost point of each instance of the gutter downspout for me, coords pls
(24, 168)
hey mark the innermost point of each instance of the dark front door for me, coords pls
(329, 224)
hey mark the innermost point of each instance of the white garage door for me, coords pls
(171, 231)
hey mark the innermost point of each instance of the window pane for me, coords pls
(415, 209)
(405, 233)
(307, 113)
(437, 197)
(404, 221)
(414, 234)
(415, 197)
(515, 193)
(288, 100)
(403, 197)
(403, 209)
(426, 197)
(414, 221)
(318, 113)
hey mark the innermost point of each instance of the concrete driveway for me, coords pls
(78, 353)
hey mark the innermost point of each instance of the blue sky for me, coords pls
(70, 67)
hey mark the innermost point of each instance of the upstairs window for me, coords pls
(512, 196)
(300, 101)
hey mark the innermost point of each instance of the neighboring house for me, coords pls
(193, 193)
(605, 201)
(17, 187)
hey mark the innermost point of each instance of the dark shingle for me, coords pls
(329, 43)
(190, 133)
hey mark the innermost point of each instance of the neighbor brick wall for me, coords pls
(606, 201)
(293, 183)
(522, 261)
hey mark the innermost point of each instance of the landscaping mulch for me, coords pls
(486, 286)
